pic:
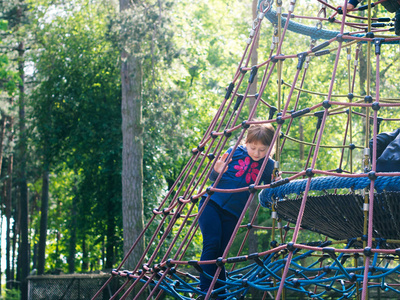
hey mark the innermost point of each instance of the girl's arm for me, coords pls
(351, 4)
(219, 167)
(269, 168)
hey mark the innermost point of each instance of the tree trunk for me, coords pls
(363, 62)
(132, 150)
(8, 190)
(111, 238)
(85, 256)
(110, 257)
(2, 135)
(72, 241)
(15, 241)
(24, 247)
(43, 220)
(1, 250)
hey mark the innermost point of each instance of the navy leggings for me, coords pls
(216, 226)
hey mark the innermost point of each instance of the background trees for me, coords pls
(178, 57)
(76, 109)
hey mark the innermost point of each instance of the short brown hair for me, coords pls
(262, 133)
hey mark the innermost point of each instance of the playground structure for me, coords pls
(360, 255)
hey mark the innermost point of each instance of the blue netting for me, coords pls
(311, 31)
(314, 32)
(336, 277)
(325, 183)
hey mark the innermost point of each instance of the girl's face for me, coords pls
(257, 150)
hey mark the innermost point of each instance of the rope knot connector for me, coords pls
(326, 104)
(375, 106)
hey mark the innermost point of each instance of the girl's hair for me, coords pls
(262, 133)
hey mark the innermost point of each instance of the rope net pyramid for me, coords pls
(352, 207)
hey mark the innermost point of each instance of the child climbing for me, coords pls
(392, 6)
(220, 216)
(387, 154)
(387, 151)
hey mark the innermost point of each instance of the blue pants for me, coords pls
(216, 225)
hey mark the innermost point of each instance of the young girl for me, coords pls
(223, 210)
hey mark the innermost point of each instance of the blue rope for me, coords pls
(325, 183)
(260, 277)
(312, 31)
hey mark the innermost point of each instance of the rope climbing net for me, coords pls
(359, 255)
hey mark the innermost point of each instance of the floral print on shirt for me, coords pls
(242, 167)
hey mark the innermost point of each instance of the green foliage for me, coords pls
(189, 52)
(3, 25)
(11, 294)
(8, 77)
(76, 109)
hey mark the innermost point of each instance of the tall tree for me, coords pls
(2, 136)
(8, 200)
(150, 110)
(43, 217)
(8, 86)
(15, 12)
(132, 141)
(23, 185)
